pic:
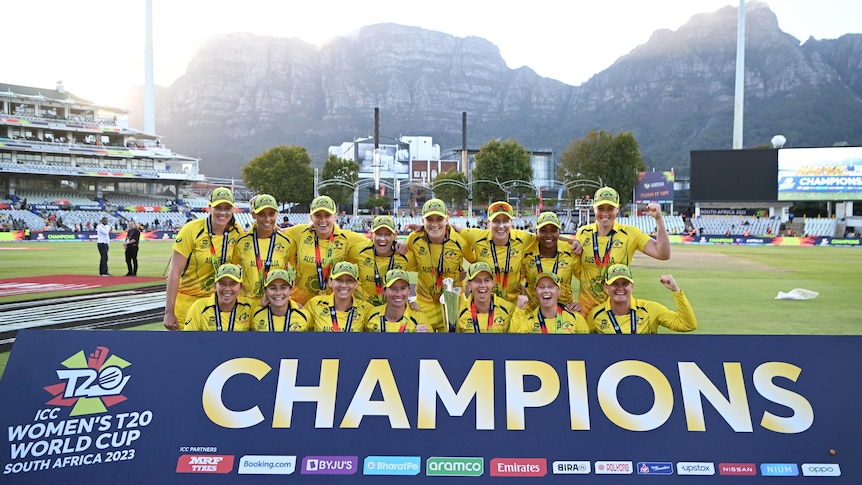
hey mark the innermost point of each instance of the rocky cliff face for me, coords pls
(243, 94)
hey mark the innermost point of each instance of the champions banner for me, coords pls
(160, 407)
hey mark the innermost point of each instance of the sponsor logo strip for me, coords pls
(329, 465)
(779, 469)
(571, 467)
(266, 465)
(205, 464)
(655, 468)
(821, 470)
(743, 469)
(614, 468)
(519, 467)
(451, 466)
(392, 465)
(695, 468)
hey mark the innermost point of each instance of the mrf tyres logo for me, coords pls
(90, 384)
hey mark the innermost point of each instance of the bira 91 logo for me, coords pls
(90, 384)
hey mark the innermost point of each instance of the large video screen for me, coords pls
(734, 176)
(832, 173)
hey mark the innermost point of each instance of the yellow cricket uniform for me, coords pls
(377, 321)
(503, 312)
(318, 313)
(623, 242)
(649, 316)
(425, 260)
(202, 316)
(367, 262)
(506, 259)
(204, 253)
(262, 321)
(561, 265)
(565, 322)
(332, 250)
(256, 265)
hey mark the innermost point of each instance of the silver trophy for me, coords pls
(449, 299)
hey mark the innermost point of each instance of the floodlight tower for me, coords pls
(149, 86)
(740, 79)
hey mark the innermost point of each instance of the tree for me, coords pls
(376, 201)
(615, 160)
(283, 172)
(337, 168)
(451, 187)
(501, 162)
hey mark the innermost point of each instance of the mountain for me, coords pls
(243, 94)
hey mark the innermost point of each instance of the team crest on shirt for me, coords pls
(422, 250)
(308, 240)
(205, 243)
(450, 253)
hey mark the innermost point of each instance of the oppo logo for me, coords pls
(821, 470)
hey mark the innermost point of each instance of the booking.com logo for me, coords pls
(90, 383)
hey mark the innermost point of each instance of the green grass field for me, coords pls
(732, 288)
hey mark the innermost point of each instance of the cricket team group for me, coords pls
(317, 277)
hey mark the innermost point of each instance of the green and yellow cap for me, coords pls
(434, 207)
(546, 218)
(383, 221)
(263, 201)
(394, 275)
(323, 203)
(618, 271)
(545, 274)
(232, 271)
(498, 208)
(220, 195)
(474, 269)
(606, 196)
(345, 268)
(278, 274)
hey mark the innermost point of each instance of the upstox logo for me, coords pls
(450, 466)
(90, 383)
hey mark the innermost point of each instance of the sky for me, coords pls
(97, 47)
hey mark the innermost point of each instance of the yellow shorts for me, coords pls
(181, 308)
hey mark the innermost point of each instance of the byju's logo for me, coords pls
(91, 383)
(329, 465)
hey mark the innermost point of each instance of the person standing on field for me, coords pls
(103, 238)
(133, 238)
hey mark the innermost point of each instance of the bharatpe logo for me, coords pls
(392, 465)
(444, 466)
(90, 383)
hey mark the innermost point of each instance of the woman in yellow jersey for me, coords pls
(226, 310)
(483, 311)
(263, 248)
(549, 255)
(281, 313)
(436, 253)
(376, 258)
(395, 316)
(549, 316)
(606, 242)
(320, 244)
(623, 314)
(339, 311)
(201, 246)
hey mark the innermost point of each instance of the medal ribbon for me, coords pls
(475, 314)
(559, 319)
(224, 244)
(263, 266)
(286, 319)
(501, 290)
(633, 318)
(439, 283)
(401, 329)
(539, 263)
(218, 316)
(378, 281)
(335, 319)
(323, 272)
(602, 263)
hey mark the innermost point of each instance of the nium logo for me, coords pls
(97, 377)
(205, 464)
(779, 469)
(330, 465)
(452, 466)
(655, 468)
(519, 467)
(821, 470)
(571, 467)
(695, 468)
(743, 469)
